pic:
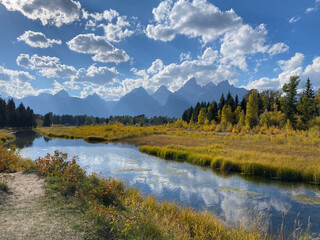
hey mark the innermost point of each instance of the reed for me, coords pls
(249, 163)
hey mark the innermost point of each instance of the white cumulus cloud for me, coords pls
(291, 67)
(47, 66)
(278, 48)
(15, 83)
(156, 66)
(12, 75)
(57, 12)
(197, 18)
(312, 71)
(97, 75)
(117, 31)
(99, 46)
(51, 67)
(247, 41)
(115, 27)
(37, 39)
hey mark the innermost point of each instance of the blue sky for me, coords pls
(112, 47)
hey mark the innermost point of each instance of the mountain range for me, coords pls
(161, 103)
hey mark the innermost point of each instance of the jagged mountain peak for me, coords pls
(162, 94)
(93, 97)
(62, 93)
(162, 89)
(224, 83)
(192, 82)
(161, 103)
(139, 90)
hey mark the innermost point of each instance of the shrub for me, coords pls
(68, 172)
(11, 162)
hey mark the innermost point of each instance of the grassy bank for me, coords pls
(5, 135)
(288, 155)
(101, 133)
(117, 212)
(112, 211)
(249, 163)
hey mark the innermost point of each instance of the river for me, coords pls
(234, 198)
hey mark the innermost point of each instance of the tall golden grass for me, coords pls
(259, 163)
(101, 133)
(285, 154)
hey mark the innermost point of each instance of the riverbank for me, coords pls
(288, 155)
(5, 135)
(101, 208)
(101, 133)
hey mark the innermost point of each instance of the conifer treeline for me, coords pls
(268, 108)
(140, 119)
(10, 116)
(82, 120)
(69, 120)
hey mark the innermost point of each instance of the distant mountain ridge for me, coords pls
(61, 104)
(161, 103)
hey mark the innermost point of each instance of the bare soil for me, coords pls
(26, 212)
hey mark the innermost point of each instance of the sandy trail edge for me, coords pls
(25, 215)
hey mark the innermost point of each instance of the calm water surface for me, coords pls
(233, 198)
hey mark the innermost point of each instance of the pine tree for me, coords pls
(31, 122)
(187, 114)
(196, 112)
(11, 113)
(236, 100)
(252, 110)
(260, 104)
(230, 101)
(47, 119)
(243, 104)
(3, 114)
(306, 104)
(212, 113)
(221, 102)
(289, 101)
(21, 116)
(309, 90)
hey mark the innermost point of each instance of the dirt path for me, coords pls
(26, 213)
